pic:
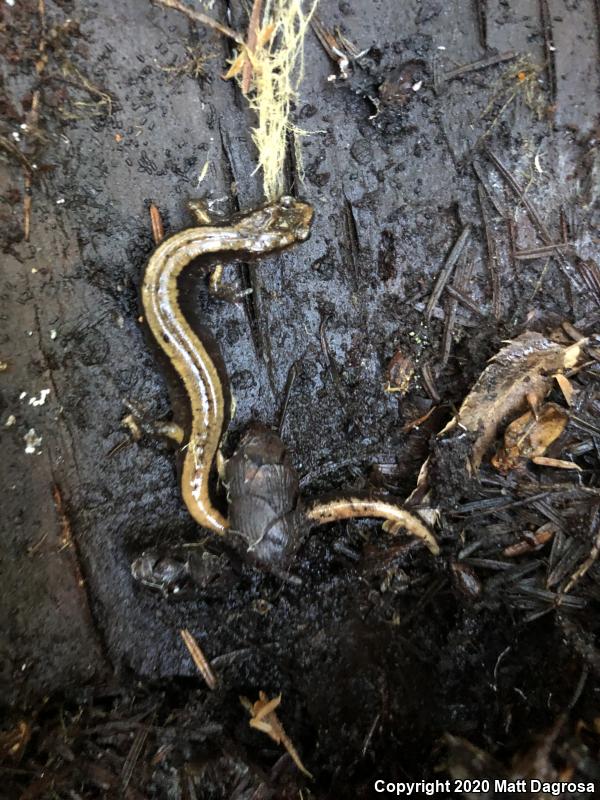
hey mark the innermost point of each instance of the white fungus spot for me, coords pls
(32, 441)
(39, 401)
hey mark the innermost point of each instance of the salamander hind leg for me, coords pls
(139, 424)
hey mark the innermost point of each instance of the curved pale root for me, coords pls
(396, 517)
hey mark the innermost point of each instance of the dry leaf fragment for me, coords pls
(14, 741)
(528, 436)
(557, 463)
(400, 370)
(264, 718)
(521, 372)
(566, 387)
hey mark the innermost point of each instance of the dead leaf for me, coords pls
(521, 372)
(566, 387)
(245, 56)
(14, 741)
(528, 436)
(236, 66)
(557, 463)
(264, 718)
(400, 370)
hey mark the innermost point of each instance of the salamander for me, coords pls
(260, 232)
(272, 525)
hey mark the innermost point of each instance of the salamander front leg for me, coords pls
(222, 291)
(225, 291)
(138, 424)
(200, 212)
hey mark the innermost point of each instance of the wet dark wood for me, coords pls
(389, 207)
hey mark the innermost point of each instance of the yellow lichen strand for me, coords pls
(277, 67)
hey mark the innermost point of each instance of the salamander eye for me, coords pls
(287, 201)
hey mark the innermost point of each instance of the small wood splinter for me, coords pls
(396, 518)
(199, 659)
(158, 232)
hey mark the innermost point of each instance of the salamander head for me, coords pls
(278, 224)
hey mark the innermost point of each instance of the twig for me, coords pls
(481, 14)
(512, 244)
(66, 534)
(330, 361)
(133, 756)
(289, 382)
(32, 118)
(369, 735)
(539, 252)
(429, 383)
(35, 547)
(590, 273)
(549, 48)
(466, 301)
(492, 255)
(253, 26)
(519, 192)
(199, 658)
(594, 552)
(487, 506)
(79, 81)
(446, 271)
(435, 71)
(564, 226)
(482, 63)
(461, 279)
(533, 214)
(27, 170)
(201, 18)
(158, 232)
(6, 144)
(597, 7)
(41, 62)
(489, 191)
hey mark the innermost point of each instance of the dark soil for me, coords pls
(391, 663)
